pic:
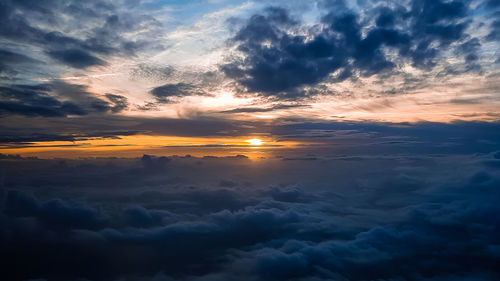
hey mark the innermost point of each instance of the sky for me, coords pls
(111, 78)
(249, 140)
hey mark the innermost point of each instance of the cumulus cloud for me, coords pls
(280, 55)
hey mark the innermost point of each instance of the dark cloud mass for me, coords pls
(76, 58)
(163, 94)
(9, 61)
(55, 99)
(279, 62)
(119, 102)
(34, 101)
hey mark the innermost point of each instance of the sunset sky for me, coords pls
(207, 140)
(113, 77)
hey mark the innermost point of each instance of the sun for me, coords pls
(255, 142)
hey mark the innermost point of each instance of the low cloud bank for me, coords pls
(391, 217)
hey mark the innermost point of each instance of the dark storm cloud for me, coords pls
(277, 62)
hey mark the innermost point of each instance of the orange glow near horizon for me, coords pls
(137, 145)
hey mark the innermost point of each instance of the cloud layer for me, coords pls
(384, 215)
